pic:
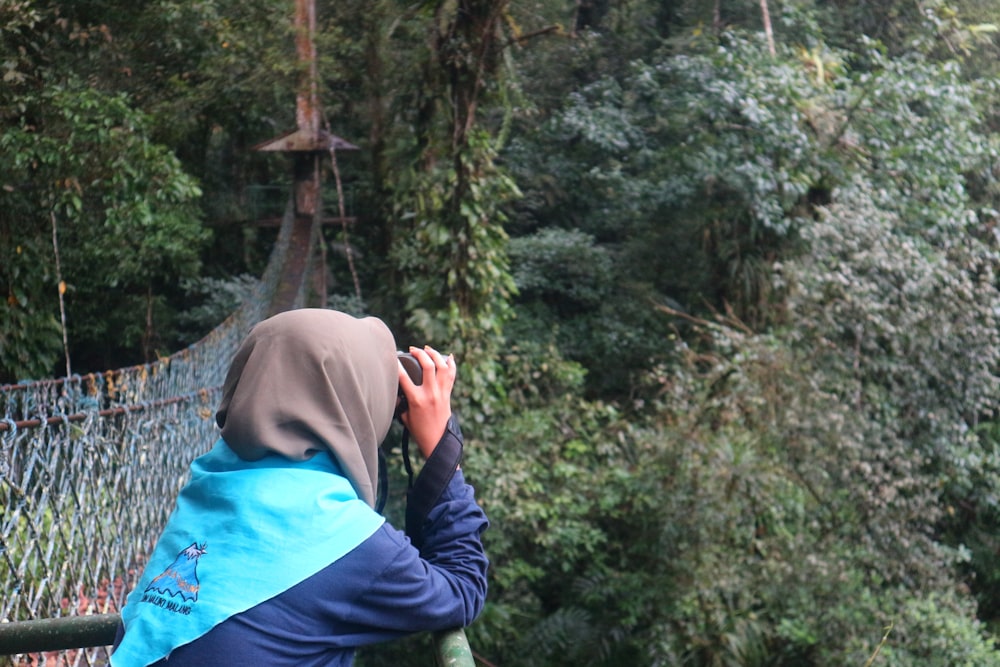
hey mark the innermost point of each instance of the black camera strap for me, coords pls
(405, 446)
(423, 492)
(383, 472)
(382, 494)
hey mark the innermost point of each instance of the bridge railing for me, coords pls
(90, 466)
(75, 633)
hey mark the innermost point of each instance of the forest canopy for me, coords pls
(721, 278)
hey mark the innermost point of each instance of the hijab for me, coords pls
(287, 489)
(312, 379)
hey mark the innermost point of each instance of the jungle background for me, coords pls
(720, 276)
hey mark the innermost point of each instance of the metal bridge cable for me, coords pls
(8, 424)
(342, 211)
(61, 289)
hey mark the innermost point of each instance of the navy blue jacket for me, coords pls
(384, 589)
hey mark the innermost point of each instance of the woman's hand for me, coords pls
(429, 403)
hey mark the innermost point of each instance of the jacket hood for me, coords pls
(309, 379)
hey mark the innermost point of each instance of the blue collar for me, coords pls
(241, 533)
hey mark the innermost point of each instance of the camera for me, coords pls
(416, 373)
(412, 367)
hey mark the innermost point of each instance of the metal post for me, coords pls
(58, 634)
(306, 266)
(307, 195)
(452, 649)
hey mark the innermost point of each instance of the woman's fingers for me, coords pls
(429, 403)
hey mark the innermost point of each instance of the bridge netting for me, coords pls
(90, 466)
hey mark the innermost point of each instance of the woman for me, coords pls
(274, 553)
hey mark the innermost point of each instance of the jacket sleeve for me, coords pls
(435, 576)
(432, 481)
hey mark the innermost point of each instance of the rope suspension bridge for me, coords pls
(90, 465)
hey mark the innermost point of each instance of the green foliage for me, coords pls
(787, 501)
(562, 268)
(973, 520)
(939, 631)
(920, 140)
(915, 322)
(701, 163)
(448, 246)
(605, 323)
(775, 485)
(30, 337)
(464, 305)
(755, 522)
(123, 210)
(711, 164)
(218, 298)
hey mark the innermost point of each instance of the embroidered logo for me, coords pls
(179, 579)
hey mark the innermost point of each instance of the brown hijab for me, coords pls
(308, 379)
